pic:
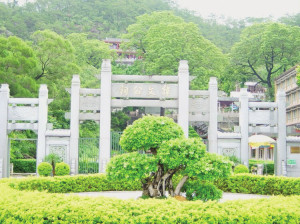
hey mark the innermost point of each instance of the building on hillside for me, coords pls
(124, 57)
(254, 89)
(287, 81)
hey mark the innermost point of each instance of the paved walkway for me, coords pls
(136, 194)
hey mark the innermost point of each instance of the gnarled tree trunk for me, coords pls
(160, 183)
(180, 185)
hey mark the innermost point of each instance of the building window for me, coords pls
(270, 153)
(289, 116)
(294, 114)
(295, 149)
(253, 154)
(261, 153)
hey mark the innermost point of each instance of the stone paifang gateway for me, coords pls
(119, 91)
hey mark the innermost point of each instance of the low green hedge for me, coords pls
(41, 207)
(255, 184)
(79, 183)
(239, 183)
(268, 165)
(24, 165)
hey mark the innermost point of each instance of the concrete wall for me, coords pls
(293, 170)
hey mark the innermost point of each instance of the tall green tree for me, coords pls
(266, 50)
(163, 39)
(56, 55)
(17, 66)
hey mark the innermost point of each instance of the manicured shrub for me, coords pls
(79, 183)
(193, 133)
(257, 184)
(149, 132)
(202, 191)
(41, 207)
(239, 183)
(62, 169)
(24, 165)
(44, 169)
(241, 169)
(268, 165)
(168, 152)
(53, 158)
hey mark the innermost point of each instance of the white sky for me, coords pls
(242, 8)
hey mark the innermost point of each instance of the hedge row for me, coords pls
(240, 183)
(268, 165)
(42, 207)
(24, 165)
(79, 183)
(255, 184)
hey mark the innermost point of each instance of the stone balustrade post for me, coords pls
(244, 126)
(281, 154)
(183, 96)
(4, 153)
(213, 116)
(42, 124)
(74, 124)
(105, 115)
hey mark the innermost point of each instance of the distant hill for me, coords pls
(106, 18)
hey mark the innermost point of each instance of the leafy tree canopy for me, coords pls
(99, 19)
(17, 66)
(56, 55)
(266, 50)
(163, 39)
(148, 133)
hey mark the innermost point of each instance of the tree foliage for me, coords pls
(148, 133)
(266, 50)
(293, 20)
(168, 153)
(99, 19)
(136, 166)
(17, 66)
(55, 54)
(119, 120)
(90, 51)
(163, 39)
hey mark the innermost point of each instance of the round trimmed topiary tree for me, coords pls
(44, 169)
(241, 169)
(53, 158)
(166, 152)
(147, 133)
(62, 169)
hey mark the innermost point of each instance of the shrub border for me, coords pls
(256, 184)
(42, 207)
